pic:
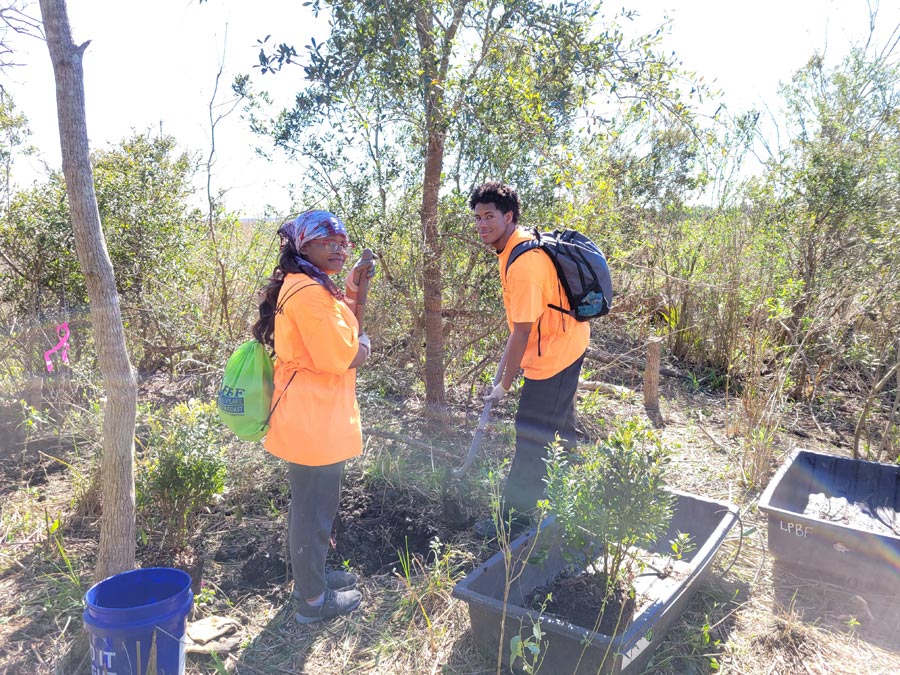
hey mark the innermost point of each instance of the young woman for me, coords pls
(315, 427)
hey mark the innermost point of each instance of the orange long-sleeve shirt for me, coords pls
(316, 421)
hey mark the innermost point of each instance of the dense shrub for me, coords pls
(181, 469)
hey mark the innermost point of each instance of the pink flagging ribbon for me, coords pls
(62, 330)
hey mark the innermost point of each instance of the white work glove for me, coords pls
(364, 341)
(498, 392)
(359, 268)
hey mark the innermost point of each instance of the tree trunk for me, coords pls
(116, 552)
(432, 280)
(435, 394)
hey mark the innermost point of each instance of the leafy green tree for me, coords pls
(38, 246)
(14, 133)
(834, 197)
(143, 186)
(454, 92)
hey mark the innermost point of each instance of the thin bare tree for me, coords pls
(117, 545)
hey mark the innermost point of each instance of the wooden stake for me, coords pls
(651, 375)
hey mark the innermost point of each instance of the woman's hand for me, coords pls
(365, 348)
(360, 267)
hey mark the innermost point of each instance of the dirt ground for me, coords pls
(583, 601)
(405, 529)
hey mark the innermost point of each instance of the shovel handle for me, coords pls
(363, 289)
(482, 423)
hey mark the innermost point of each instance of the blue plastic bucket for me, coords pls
(133, 614)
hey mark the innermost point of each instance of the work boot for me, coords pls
(336, 580)
(334, 604)
(514, 526)
(340, 580)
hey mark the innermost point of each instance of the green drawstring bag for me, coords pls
(245, 397)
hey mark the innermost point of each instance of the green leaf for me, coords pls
(515, 648)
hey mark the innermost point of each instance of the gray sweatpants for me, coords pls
(315, 494)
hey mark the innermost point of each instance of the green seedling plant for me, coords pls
(708, 643)
(66, 592)
(610, 500)
(682, 545)
(206, 596)
(609, 503)
(218, 664)
(591, 404)
(411, 568)
(428, 585)
(33, 420)
(529, 650)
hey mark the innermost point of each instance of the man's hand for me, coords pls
(497, 393)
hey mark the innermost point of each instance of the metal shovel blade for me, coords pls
(482, 423)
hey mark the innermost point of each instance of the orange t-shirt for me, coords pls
(556, 340)
(316, 421)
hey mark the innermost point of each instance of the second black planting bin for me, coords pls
(837, 518)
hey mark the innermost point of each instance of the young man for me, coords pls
(546, 343)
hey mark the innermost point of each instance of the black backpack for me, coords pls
(581, 267)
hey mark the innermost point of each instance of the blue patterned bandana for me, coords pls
(312, 225)
(307, 227)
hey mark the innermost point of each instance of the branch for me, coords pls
(19, 22)
(607, 357)
(613, 389)
(12, 266)
(411, 442)
(868, 404)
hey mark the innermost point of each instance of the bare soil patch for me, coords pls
(378, 523)
(584, 600)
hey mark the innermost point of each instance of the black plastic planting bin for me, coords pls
(837, 518)
(570, 649)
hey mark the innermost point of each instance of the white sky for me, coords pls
(747, 48)
(154, 63)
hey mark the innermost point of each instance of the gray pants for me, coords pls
(315, 494)
(546, 407)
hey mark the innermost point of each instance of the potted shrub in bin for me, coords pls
(609, 504)
(616, 536)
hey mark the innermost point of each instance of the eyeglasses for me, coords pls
(334, 246)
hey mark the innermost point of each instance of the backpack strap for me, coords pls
(280, 308)
(519, 249)
(278, 400)
(524, 247)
